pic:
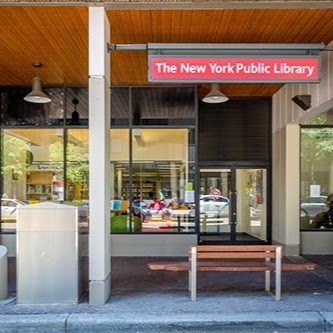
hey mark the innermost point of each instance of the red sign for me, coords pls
(240, 69)
(215, 192)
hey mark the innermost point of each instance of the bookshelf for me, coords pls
(39, 186)
(139, 189)
(78, 190)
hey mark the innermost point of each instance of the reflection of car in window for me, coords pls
(311, 206)
(213, 203)
(9, 207)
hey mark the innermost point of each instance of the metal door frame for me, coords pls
(233, 167)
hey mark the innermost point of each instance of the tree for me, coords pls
(316, 149)
(14, 162)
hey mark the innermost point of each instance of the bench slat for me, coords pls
(235, 255)
(235, 268)
(236, 248)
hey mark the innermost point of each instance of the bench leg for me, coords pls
(193, 286)
(193, 274)
(267, 281)
(189, 280)
(278, 274)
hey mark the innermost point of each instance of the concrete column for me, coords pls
(99, 159)
(292, 194)
(285, 189)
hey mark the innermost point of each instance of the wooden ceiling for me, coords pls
(58, 37)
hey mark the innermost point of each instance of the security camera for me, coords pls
(303, 101)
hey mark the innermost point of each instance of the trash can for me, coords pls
(47, 254)
(3, 272)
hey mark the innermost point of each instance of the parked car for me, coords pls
(9, 207)
(214, 203)
(311, 206)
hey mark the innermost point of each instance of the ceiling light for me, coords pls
(75, 115)
(215, 95)
(37, 95)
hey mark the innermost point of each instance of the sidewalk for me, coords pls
(157, 301)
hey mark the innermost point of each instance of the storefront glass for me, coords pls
(16, 112)
(163, 191)
(153, 159)
(77, 173)
(45, 155)
(77, 107)
(119, 180)
(32, 170)
(316, 177)
(156, 186)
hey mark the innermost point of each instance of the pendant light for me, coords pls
(215, 95)
(75, 114)
(37, 95)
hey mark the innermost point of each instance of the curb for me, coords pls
(50, 323)
(168, 323)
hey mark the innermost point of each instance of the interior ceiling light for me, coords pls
(37, 95)
(215, 95)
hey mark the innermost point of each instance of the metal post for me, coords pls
(267, 277)
(278, 274)
(193, 282)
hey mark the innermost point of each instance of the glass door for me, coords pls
(233, 205)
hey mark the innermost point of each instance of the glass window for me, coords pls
(32, 170)
(120, 180)
(162, 180)
(17, 112)
(77, 174)
(152, 190)
(77, 106)
(120, 106)
(316, 177)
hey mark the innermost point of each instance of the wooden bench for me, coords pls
(233, 258)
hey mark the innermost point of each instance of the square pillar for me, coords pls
(99, 157)
(285, 189)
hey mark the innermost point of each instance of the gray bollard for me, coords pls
(3, 272)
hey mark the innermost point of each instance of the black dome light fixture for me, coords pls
(37, 95)
(215, 95)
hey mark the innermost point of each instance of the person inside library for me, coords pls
(324, 220)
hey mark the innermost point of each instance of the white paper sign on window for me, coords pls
(314, 190)
(189, 196)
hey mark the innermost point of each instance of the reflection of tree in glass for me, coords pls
(77, 158)
(14, 156)
(14, 162)
(56, 156)
(316, 150)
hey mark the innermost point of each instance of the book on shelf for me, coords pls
(31, 189)
(38, 188)
(47, 189)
